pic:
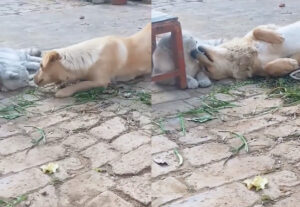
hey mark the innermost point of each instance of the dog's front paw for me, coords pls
(62, 93)
(294, 63)
(278, 39)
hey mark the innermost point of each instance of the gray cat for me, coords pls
(17, 67)
(163, 60)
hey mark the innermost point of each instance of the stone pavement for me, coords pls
(102, 148)
(273, 135)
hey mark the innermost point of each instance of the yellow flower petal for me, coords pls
(248, 184)
(50, 168)
(258, 182)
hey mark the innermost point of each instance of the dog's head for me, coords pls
(214, 60)
(51, 70)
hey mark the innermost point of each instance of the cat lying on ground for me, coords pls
(163, 60)
(16, 67)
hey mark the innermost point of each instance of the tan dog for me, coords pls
(97, 62)
(265, 51)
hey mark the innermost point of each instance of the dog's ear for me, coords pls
(49, 58)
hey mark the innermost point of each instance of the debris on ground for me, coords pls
(50, 168)
(259, 183)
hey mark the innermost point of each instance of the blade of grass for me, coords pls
(42, 137)
(179, 157)
(182, 124)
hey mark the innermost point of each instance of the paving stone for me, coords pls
(168, 160)
(46, 120)
(290, 111)
(137, 187)
(281, 130)
(225, 97)
(206, 153)
(83, 122)
(168, 187)
(247, 125)
(110, 128)
(248, 90)
(100, 154)
(195, 101)
(167, 96)
(78, 190)
(108, 199)
(196, 135)
(107, 114)
(162, 200)
(222, 196)
(141, 118)
(79, 141)
(36, 156)
(130, 141)
(164, 109)
(133, 162)
(8, 129)
(51, 104)
(256, 141)
(252, 106)
(45, 197)
(292, 201)
(67, 167)
(288, 150)
(161, 143)
(22, 182)
(235, 169)
(53, 133)
(14, 144)
(280, 184)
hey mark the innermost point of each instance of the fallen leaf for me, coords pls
(258, 183)
(50, 168)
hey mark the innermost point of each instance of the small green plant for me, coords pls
(95, 94)
(209, 109)
(14, 202)
(144, 97)
(16, 108)
(285, 88)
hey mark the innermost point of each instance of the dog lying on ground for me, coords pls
(267, 50)
(163, 60)
(16, 67)
(97, 62)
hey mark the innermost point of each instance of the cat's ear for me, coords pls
(49, 58)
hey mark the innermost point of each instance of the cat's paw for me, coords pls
(192, 83)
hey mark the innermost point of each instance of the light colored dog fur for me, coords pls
(97, 62)
(163, 60)
(267, 50)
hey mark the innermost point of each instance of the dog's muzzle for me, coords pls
(200, 51)
(194, 53)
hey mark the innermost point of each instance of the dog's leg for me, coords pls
(81, 86)
(267, 35)
(281, 66)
